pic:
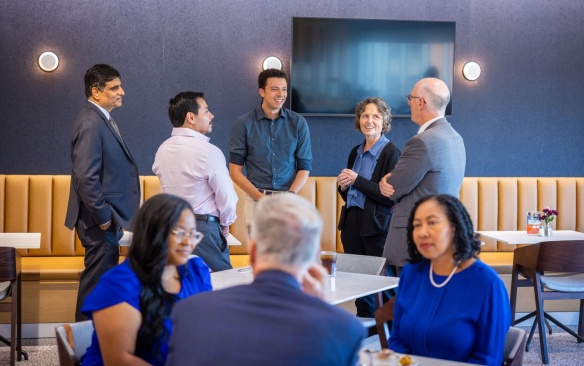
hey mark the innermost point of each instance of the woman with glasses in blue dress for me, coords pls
(131, 304)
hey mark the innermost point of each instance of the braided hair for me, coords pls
(466, 242)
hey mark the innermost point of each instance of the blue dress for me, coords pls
(120, 284)
(466, 320)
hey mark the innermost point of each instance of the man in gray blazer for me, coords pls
(432, 162)
(105, 186)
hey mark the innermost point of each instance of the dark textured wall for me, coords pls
(523, 117)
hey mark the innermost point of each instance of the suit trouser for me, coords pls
(213, 249)
(354, 243)
(102, 253)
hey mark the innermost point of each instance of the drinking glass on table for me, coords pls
(328, 258)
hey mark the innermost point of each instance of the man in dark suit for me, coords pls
(432, 162)
(105, 187)
(278, 319)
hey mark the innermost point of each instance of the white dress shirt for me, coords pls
(189, 166)
(425, 126)
(106, 113)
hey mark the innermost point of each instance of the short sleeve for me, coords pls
(198, 280)
(120, 284)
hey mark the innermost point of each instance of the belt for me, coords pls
(207, 218)
(269, 192)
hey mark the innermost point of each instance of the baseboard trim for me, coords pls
(564, 317)
(47, 330)
(39, 330)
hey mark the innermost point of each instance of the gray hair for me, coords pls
(436, 93)
(287, 230)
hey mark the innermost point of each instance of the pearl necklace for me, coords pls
(443, 283)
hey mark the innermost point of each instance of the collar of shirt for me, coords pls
(376, 149)
(425, 126)
(106, 113)
(184, 131)
(364, 165)
(260, 114)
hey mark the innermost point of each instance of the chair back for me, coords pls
(561, 256)
(383, 315)
(364, 264)
(72, 341)
(514, 347)
(9, 264)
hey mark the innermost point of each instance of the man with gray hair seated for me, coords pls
(280, 318)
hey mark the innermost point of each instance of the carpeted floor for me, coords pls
(563, 350)
(41, 352)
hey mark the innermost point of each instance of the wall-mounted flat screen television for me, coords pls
(338, 62)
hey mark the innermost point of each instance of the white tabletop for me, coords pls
(20, 240)
(371, 359)
(521, 237)
(341, 288)
(126, 240)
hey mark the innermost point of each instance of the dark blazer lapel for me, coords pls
(111, 128)
(122, 142)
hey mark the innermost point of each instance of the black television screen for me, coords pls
(338, 62)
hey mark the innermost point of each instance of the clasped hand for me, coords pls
(346, 178)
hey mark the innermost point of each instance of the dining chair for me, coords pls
(383, 315)
(363, 264)
(72, 341)
(514, 347)
(11, 287)
(555, 269)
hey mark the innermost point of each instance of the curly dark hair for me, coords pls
(383, 109)
(269, 73)
(466, 242)
(148, 255)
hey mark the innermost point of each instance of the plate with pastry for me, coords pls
(407, 360)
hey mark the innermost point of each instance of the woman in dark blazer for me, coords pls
(365, 217)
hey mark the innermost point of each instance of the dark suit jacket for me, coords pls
(104, 179)
(432, 162)
(377, 207)
(269, 322)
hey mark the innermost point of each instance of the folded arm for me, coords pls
(412, 166)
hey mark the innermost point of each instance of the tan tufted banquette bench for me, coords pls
(37, 203)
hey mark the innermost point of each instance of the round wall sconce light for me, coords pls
(48, 61)
(272, 62)
(471, 71)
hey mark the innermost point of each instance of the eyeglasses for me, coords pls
(194, 236)
(409, 97)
